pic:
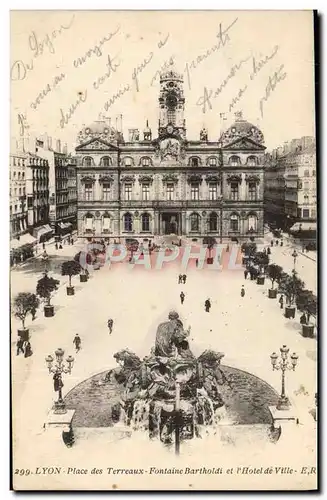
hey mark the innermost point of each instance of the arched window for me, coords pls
(251, 161)
(234, 161)
(234, 222)
(145, 222)
(213, 161)
(105, 161)
(145, 162)
(88, 161)
(128, 161)
(88, 222)
(18, 175)
(195, 222)
(194, 162)
(128, 222)
(106, 223)
(213, 222)
(252, 222)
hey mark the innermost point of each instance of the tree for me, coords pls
(24, 304)
(70, 268)
(249, 248)
(306, 302)
(274, 273)
(46, 286)
(261, 259)
(290, 286)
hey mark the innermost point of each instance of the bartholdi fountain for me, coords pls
(171, 394)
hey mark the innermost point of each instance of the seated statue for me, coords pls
(170, 337)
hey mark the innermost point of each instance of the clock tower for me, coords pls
(171, 104)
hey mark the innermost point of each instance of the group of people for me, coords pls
(182, 279)
(24, 347)
(277, 243)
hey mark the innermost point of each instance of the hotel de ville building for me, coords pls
(164, 183)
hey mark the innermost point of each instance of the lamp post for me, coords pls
(283, 365)
(57, 370)
(294, 255)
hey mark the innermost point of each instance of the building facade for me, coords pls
(61, 215)
(290, 183)
(17, 194)
(72, 190)
(148, 186)
(37, 191)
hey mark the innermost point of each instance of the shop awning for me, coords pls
(65, 225)
(304, 226)
(25, 239)
(42, 230)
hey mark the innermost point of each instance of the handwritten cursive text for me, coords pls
(273, 81)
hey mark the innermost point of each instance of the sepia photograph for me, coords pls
(163, 250)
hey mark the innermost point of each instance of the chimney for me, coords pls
(49, 143)
(286, 147)
(58, 146)
(65, 149)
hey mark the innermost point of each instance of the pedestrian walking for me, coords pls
(207, 305)
(72, 241)
(27, 349)
(268, 251)
(246, 272)
(43, 246)
(180, 279)
(303, 319)
(281, 301)
(77, 341)
(60, 246)
(281, 243)
(19, 345)
(197, 262)
(227, 248)
(242, 291)
(184, 278)
(276, 243)
(33, 313)
(272, 243)
(56, 246)
(182, 297)
(110, 325)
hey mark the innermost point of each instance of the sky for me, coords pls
(66, 65)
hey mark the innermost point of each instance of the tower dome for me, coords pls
(99, 129)
(171, 74)
(241, 128)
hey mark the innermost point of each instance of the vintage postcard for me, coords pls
(163, 252)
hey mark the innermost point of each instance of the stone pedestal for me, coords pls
(60, 419)
(283, 416)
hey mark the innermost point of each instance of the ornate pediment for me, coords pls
(213, 178)
(234, 178)
(145, 179)
(128, 178)
(106, 178)
(170, 178)
(194, 178)
(244, 144)
(96, 145)
(252, 178)
(88, 179)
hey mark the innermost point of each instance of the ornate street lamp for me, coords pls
(57, 370)
(283, 365)
(294, 255)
